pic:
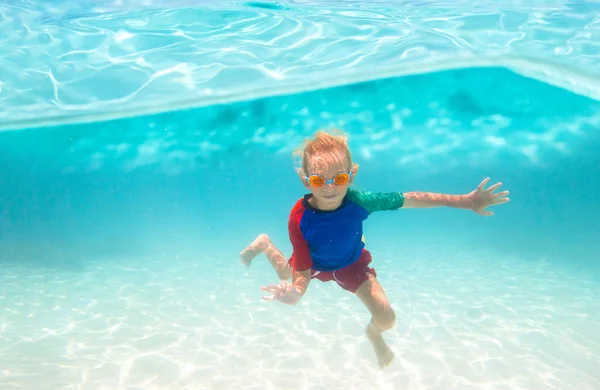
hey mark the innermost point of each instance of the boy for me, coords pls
(325, 229)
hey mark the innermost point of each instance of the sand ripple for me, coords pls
(466, 320)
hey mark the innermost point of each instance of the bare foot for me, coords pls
(258, 245)
(383, 353)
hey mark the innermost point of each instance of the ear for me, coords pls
(301, 174)
(354, 172)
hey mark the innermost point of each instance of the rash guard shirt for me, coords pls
(331, 240)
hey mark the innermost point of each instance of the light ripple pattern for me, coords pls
(89, 60)
(467, 318)
(436, 123)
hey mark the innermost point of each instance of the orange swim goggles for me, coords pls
(319, 181)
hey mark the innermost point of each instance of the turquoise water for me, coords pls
(122, 217)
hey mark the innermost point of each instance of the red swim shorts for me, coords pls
(351, 277)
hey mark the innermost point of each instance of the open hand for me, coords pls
(284, 292)
(481, 198)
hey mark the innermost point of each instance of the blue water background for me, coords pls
(119, 243)
(73, 193)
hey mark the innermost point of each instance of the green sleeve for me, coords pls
(376, 201)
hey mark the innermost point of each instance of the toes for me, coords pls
(386, 359)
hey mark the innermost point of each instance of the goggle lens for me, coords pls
(340, 179)
(316, 181)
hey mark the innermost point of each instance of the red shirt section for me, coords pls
(301, 259)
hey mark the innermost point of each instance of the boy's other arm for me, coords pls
(289, 293)
(300, 281)
(301, 263)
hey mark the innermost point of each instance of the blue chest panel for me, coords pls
(334, 237)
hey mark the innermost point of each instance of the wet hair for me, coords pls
(328, 146)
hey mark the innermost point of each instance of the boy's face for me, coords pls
(329, 196)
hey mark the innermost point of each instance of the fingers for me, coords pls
(494, 187)
(489, 198)
(500, 194)
(481, 185)
(500, 201)
(484, 212)
(274, 288)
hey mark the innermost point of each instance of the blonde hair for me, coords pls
(333, 143)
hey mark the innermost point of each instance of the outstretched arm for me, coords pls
(477, 200)
(420, 200)
(301, 263)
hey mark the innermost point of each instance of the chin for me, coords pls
(329, 199)
(333, 201)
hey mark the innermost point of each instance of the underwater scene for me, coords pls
(147, 146)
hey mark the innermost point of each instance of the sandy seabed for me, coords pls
(465, 320)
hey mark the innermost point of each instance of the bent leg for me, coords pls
(263, 243)
(383, 317)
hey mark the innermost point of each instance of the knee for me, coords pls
(385, 319)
